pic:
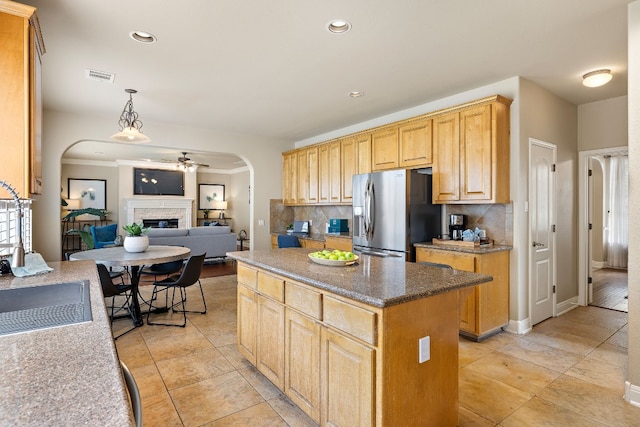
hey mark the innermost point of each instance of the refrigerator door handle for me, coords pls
(370, 218)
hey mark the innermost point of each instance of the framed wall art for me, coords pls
(92, 193)
(208, 194)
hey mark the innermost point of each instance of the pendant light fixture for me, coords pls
(129, 123)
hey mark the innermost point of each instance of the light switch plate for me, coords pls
(424, 349)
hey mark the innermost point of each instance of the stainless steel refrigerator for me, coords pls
(392, 210)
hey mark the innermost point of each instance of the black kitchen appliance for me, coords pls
(457, 225)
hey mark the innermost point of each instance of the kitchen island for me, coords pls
(374, 343)
(67, 375)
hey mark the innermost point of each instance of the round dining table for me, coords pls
(116, 256)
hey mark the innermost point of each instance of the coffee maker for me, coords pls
(457, 225)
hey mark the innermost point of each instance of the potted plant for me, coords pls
(205, 212)
(136, 239)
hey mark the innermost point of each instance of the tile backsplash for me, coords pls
(497, 219)
(281, 216)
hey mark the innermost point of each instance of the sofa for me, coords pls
(213, 241)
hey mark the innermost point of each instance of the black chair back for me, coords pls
(108, 288)
(190, 272)
(436, 264)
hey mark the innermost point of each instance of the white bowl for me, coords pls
(334, 262)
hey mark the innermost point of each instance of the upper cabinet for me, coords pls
(467, 146)
(21, 48)
(471, 154)
(415, 144)
(384, 149)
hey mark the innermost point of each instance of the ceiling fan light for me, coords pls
(597, 78)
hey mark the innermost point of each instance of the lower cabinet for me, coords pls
(348, 373)
(343, 362)
(483, 309)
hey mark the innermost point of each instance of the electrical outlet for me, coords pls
(261, 222)
(424, 349)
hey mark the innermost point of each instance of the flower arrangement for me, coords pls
(135, 229)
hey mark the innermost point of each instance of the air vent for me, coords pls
(99, 76)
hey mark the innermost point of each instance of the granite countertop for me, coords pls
(377, 281)
(318, 236)
(478, 250)
(67, 375)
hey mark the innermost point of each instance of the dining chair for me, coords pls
(190, 276)
(111, 290)
(163, 269)
(288, 241)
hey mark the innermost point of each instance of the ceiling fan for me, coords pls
(184, 163)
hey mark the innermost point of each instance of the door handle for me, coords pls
(536, 244)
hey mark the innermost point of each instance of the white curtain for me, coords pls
(616, 239)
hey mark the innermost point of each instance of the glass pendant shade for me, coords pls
(129, 123)
(130, 134)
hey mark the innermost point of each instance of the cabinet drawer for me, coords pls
(272, 286)
(353, 320)
(247, 276)
(304, 300)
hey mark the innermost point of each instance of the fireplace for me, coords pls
(160, 209)
(160, 222)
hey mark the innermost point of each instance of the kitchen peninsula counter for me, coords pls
(68, 375)
(374, 343)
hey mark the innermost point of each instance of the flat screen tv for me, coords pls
(158, 182)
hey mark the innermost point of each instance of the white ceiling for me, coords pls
(271, 69)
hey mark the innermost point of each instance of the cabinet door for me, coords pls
(289, 178)
(312, 171)
(363, 143)
(476, 154)
(312, 244)
(270, 342)
(302, 367)
(415, 144)
(335, 172)
(247, 323)
(384, 149)
(348, 381)
(349, 161)
(446, 158)
(324, 174)
(303, 178)
(35, 113)
(338, 243)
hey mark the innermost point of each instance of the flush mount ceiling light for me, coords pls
(142, 37)
(597, 78)
(356, 94)
(129, 124)
(338, 26)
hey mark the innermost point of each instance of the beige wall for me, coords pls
(62, 130)
(634, 198)
(240, 205)
(602, 124)
(94, 172)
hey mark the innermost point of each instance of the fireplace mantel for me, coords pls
(138, 209)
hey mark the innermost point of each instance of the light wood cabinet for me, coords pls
(313, 172)
(348, 371)
(290, 178)
(471, 154)
(483, 309)
(302, 175)
(363, 143)
(340, 243)
(324, 174)
(311, 243)
(349, 167)
(335, 174)
(415, 144)
(302, 338)
(384, 149)
(345, 362)
(21, 48)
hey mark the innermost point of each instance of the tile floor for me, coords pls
(569, 371)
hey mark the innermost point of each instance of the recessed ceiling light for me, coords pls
(338, 26)
(597, 78)
(356, 94)
(142, 37)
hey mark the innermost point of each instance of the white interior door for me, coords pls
(542, 159)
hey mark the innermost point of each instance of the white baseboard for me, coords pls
(519, 327)
(597, 264)
(566, 306)
(632, 393)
